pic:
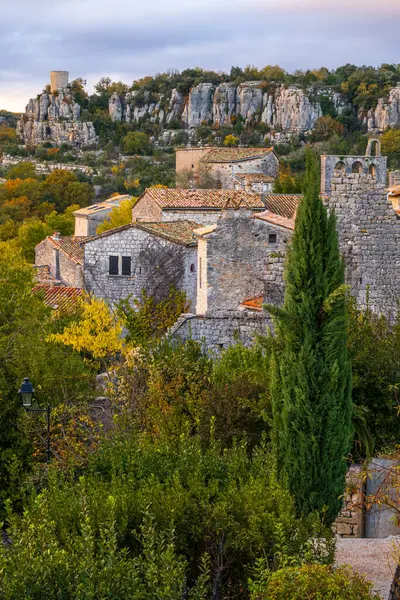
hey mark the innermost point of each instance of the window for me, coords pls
(120, 265)
(113, 265)
(126, 265)
(192, 268)
(272, 238)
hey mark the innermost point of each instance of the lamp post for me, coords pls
(26, 394)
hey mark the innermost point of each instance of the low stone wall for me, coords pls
(350, 522)
(221, 329)
(8, 161)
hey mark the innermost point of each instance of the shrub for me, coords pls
(314, 582)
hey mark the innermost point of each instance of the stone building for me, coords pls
(202, 206)
(240, 267)
(221, 166)
(254, 183)
(88, 219)
(142, 256)
(63, 257)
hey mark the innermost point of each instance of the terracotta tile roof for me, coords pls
(59, 296)
(394, 191)
(71, 245)
(255, 177)
(283, 204)
(43, 274)
(180, 232)
(275, 219)
(253, 303)
(228, 155)
(201, 199)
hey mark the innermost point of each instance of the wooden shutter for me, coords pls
(126, 265)
(113, 265)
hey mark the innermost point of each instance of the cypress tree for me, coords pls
(311, 372)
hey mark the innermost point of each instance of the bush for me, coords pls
(313, 582)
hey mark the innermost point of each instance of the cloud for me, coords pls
(127, 40)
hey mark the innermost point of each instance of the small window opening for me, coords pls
(192, 166)
(192, 268)
(272, 238)
(360, 280)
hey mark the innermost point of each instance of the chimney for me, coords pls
(56, 235)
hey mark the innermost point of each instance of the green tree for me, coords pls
(136, 142)
(311, 387)
(31, 233)
(391, 146)
(24, 170)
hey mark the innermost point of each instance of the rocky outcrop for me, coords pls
(78, 134)
(386, 114)
(287, 109)
(55, 118)
(290, 109)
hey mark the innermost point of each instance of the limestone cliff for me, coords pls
(287, 108)
(386, 114)
(55, 118)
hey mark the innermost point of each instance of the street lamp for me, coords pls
(26, 394)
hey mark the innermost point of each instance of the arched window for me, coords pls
(357, 167)
(372, 171)
(340, 166)
(374, 147)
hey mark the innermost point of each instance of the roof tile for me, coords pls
(58, 296)
(180, 232)
(227, 155)
(201, 199)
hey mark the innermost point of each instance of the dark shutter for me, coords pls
(126, 265)
(113, 265)
(272, 238)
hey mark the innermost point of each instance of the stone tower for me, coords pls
(372, 164)
(58, 80)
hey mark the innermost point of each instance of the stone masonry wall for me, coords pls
(71, 273)
(130, 242)
(226, 172)
(243, 261)
(350, 522)
(202, 217)
(369, 237)
(221, 329)
(146, 210)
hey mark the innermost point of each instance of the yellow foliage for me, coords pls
(97, 332)
(120, 215)
(231, 140)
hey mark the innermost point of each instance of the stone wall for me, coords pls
(71, 273)
(369, 237)
(202, 217)
(367, 164)
(350, 522)
(221, 329)
(244, 258)
(146, 209)
(132, 242)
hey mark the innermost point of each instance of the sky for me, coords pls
(128, 39)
